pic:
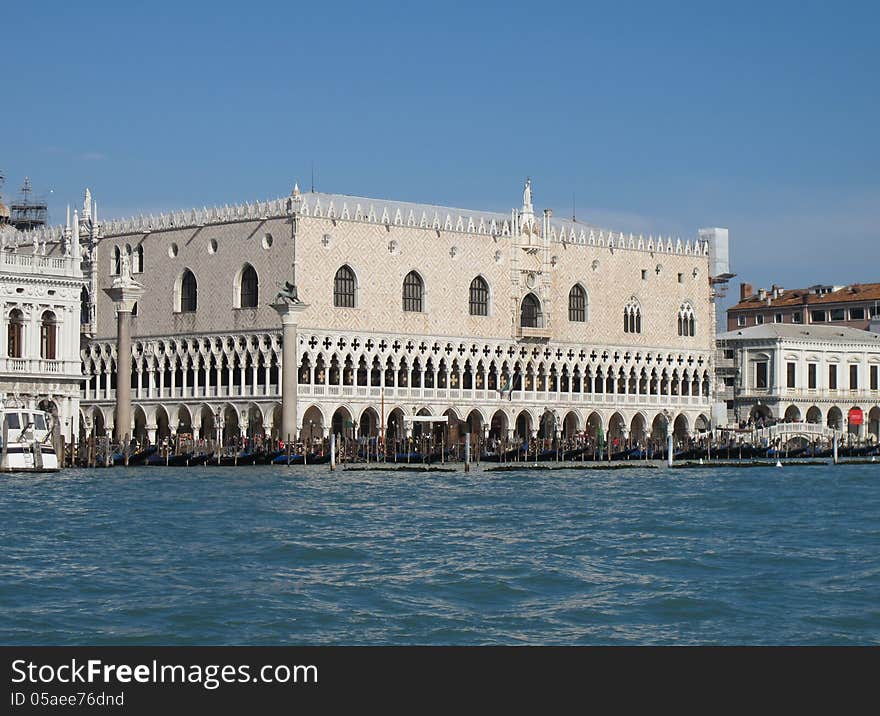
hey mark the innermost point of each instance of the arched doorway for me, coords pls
(421, 429)
(184, 423)
(523, 427)
(163, 426)
(835, 418)
(792, 414)
(547, 426)
(342, 423)
(396, 429)
(701, 424)
(594, 427)
(312, 425)
(814, 415)
(638, 429)
(475, 424)
(616, 432)
(207, 424)
(760, 415)
(231, 428)
(854, 430)
(450, 430)
(659, 428)
(874, 423)
(368, 425)
(680, 428)
(498, 426)
(254, 430)
(140, 425)
(571, 425)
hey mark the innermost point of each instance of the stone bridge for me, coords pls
(809, 431)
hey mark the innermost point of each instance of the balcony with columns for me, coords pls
(151, 385)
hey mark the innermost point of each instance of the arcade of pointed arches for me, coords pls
(235, 420)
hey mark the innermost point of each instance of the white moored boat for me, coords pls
(27, 441)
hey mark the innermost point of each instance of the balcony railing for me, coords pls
(39, 366)
(535, 333)
(43, 265)
(375, 393)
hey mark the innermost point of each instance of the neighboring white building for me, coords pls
(40, 287)
(817, 374)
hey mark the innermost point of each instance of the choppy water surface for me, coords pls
(288, 556)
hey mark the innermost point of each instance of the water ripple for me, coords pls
(281, 555)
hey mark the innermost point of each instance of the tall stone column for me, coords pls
(124, 293)
(289, 312)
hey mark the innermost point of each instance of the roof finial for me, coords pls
(295, 191)
(527, 213)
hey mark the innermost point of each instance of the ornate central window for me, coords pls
(530, 312)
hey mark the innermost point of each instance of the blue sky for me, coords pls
(657, 117)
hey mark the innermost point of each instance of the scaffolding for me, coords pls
(29, 211)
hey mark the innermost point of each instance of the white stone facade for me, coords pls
(816, 374)
(40, 285)
(221, 361)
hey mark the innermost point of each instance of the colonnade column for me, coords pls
(124, 293)
(289, 311)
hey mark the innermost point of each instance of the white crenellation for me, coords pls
(370, 211)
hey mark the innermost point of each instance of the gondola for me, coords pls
(177, 460)
(138, 458)
(297, 459)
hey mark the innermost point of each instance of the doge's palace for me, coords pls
(510, 324)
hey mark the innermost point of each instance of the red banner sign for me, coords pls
(856, 416)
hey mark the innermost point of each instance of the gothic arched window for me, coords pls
(249, 290)
(188, 292)
(632, 317)
(479, 298)
(413, 292)
(687, 324)
(138, 266)
(116, 268)
(344, 288)
(530, 312)
(577, 304)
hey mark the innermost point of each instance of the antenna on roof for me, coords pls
(573, 214)
(313, 177)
